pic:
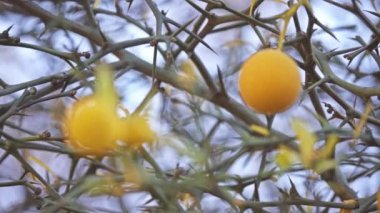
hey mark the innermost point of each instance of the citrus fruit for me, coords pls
(269, 81)
(136, 130)
(91, 127)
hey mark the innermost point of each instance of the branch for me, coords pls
(322, 62)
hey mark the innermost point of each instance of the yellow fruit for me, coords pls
(269, 81)
(91, 126)
(136, 131)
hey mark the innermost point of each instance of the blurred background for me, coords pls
(192, 130)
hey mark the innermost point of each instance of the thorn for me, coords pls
(293, 193)
(130, 4)
(8, 29)
(222, 87)
(5, 33)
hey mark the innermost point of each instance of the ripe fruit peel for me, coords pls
(269, 81)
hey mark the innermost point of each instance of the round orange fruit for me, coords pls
(269, 81)
(91, 126)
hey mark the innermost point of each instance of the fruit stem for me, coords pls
(152, 92)
(270, 119)
(253, 2)
(287, 16)
(281, 38)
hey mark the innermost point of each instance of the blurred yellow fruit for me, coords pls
(91, 124)
(91, 127)
(269, 81)
(136, 130)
